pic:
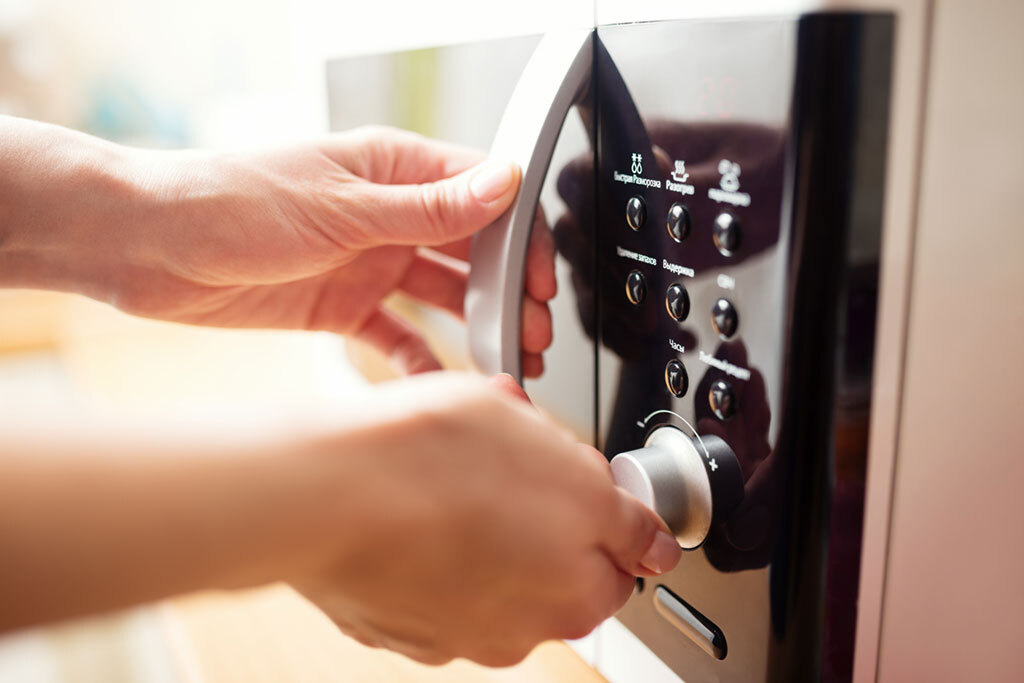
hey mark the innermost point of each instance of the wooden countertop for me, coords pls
(273, 635)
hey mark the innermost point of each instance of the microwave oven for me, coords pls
(788, 300)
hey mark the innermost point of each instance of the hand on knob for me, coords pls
(687, 482)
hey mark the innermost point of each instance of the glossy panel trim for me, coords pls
(697, 627)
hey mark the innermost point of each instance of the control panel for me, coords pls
(730, 267)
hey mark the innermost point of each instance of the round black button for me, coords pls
(724, 318)
(722, 399)
(678, 222)
(636, 287)
(675, 378)
(636, 212)
(677, 301)
(726, 233)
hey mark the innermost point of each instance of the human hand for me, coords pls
(314, 236)
(317, 237)
(496, 531)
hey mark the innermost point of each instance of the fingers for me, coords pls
(393, 156)
(443, 284)
(540, 280)
(436, 282)
(595, 455)
(399, 341)
(533, 365)
(637, 541)
(540, 260)
(510, 386)
(600, 590)
(537, 331)
(429, 214)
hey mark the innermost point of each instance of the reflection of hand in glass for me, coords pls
(702, 146)
(745, 539)
(575, 239)
(638, 334)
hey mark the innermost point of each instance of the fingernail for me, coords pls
(492, 180)
(663, 553)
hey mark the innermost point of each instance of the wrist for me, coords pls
(70, 209)
(367, 492)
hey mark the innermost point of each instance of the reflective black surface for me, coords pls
(724, 318)
(676, 379)
(691, 623)
(678, 222)
(636, 211)
(768, 132)
(677, 301)
(636, 287)
(726, 233)
(722, 399)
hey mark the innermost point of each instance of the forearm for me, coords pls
(87, 528)
(71, 207)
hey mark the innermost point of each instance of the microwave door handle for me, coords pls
(557, 75)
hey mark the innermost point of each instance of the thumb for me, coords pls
(638, 541)
(436, 213)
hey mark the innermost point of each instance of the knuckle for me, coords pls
(375, 132)
(437, 205)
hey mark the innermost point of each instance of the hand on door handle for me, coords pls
(558, 73)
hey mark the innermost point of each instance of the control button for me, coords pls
(694, 625)
(636, 287)
(675, 378)
(668, 475)
(678, 222)
(726, 233)
(677, 301)
(689, 481)
(724, 318)
(722, 399)
(636, 212)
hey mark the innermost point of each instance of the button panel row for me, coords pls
(721, 396)
(724, 318)
(725, 232)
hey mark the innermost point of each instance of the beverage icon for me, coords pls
(679, 174)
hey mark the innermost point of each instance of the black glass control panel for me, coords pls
(738, 205)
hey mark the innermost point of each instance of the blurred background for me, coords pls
(155, 74)
(212, 73)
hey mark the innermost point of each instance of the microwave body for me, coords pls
(799, 145)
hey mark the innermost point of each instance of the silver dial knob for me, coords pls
(678, 479)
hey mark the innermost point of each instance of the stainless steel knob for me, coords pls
(680, 479)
